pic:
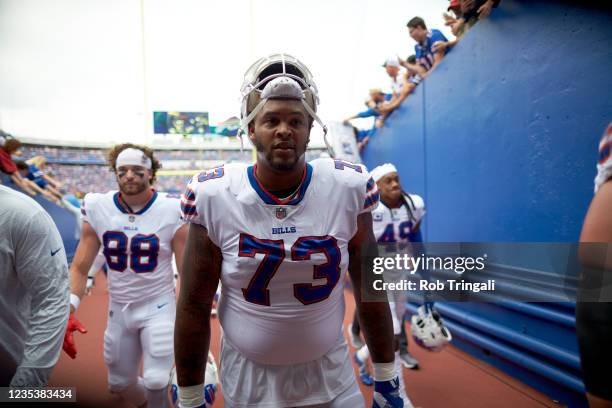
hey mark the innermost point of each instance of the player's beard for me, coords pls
(134, 189)
(277, 163)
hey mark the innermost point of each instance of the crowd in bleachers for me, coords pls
(63, 153)
(52, 171)
(100, 179)
(74, 154)
(430, 49)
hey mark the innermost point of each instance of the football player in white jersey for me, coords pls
(138, 229)
(280, 235)
(397, 219)
(593, 314)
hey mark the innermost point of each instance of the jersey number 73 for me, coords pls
(274, 253)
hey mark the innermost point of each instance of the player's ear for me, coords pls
(252, 131)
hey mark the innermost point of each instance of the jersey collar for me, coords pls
(124, 210)
(268, 198)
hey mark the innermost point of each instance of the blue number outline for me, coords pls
(274, 252)
(136, 252)
(121, 250)
(307, 293)
(257, 291)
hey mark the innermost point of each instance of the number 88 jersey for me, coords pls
(283, 260)
(137, 246)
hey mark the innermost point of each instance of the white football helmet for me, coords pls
(278, 76)
(211, 383)
(428, 330)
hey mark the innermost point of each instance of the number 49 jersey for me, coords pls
(136, 246)
(396, 224)
(283, 260)
(604, 162)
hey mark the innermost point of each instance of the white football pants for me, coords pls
(140, 330)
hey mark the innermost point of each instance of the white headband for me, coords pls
(382, 170)
(133, 157)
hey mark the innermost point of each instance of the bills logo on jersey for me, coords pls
(377, 216)
(284, 230)
(281, 213)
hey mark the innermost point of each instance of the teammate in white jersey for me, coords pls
(138, 229)
(280, 235)
(397, 220)
(594, 314)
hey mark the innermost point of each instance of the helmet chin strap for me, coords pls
(320, 122)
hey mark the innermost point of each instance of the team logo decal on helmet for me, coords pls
(278, 76)
(428, 330)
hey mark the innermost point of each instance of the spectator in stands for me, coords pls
(377, 98)
(467, 13)
(7, 165)
(455, 8)
(408, 84)
(426, 56)
(402, 85)
(32, 176)
(37, 166)
(455, 21)
(392, 66)
(474, 10)
(413, 66)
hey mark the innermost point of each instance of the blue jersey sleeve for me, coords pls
(436, 35)
(368, 113)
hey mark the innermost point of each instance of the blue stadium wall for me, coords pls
(501, 141)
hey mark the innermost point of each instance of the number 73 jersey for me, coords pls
(137, 246)
(283, 260)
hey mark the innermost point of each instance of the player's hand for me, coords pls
(386, 394)
(69, 346)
